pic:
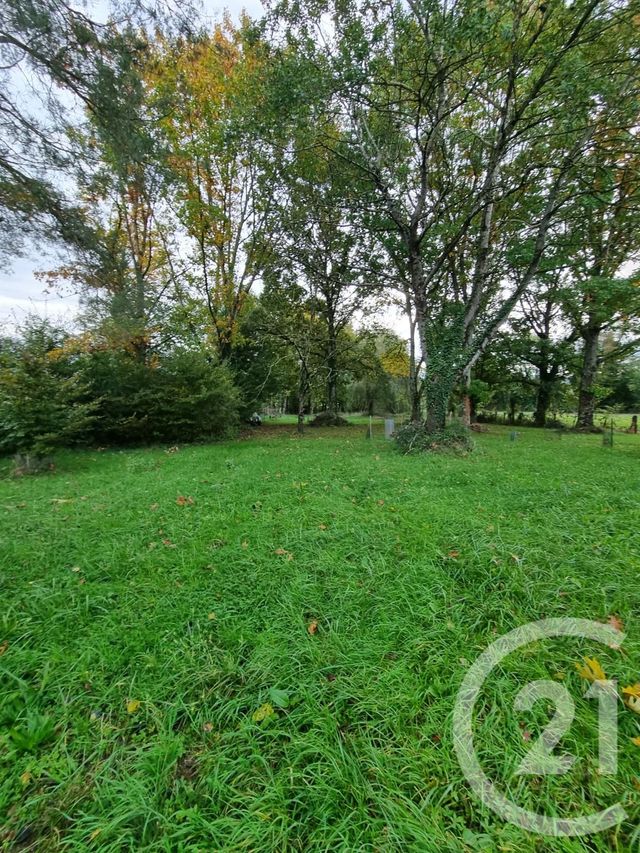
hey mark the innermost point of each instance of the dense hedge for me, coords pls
(52, 395)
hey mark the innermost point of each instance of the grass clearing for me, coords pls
(141, 634)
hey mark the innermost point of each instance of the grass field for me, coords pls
(257, 645)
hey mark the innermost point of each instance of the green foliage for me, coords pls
(416, 438)
(43, 401)
(183, 396)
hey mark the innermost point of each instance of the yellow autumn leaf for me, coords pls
(591, 670)
(133, 705)
(263, 712)
(631, 697)
(26, 777)
(636, 740)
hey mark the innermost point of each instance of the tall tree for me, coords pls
(220, 162)
(468, 119)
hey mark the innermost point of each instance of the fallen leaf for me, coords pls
(312, 627)
(631, 697)
(207, 727)
(76, 569)
(244, 545)
(322, 526)
(380, 503)
(615, 622)
(636, 740)
(330, 676)
(591, 670)
(453, 555)
(3, 647)
(263, 712)
(211, 616)
(133, 705)
(281, 552)
(26, 777)
(168, 543)
(154, 507)
(182, 501)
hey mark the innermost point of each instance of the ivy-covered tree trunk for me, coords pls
(587, 396)
(440, 380)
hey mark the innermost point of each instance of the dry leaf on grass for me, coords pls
(282, 552)
(591, 670)
(631, 697)
(133, 705)
(615, 622)
(312, 627)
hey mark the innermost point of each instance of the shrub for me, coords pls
(328, 419)
(184, 396)
(43, 402)
(414, 438)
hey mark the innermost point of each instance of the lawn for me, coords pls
(257, 645)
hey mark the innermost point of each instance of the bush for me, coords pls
(185, 396)
(328, 419)
(414, 438)
(43, 402)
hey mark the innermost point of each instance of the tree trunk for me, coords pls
(543, 400)
(466, 399)
(437, 407)
(439, 389)
(587, 397)
(303, 388)
(332, 370)
(414, 379)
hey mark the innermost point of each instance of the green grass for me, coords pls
(113, 592)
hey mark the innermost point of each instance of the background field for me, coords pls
(338, 589)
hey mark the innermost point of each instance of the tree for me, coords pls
(468, 120)
(604, 240)
(220, 165)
